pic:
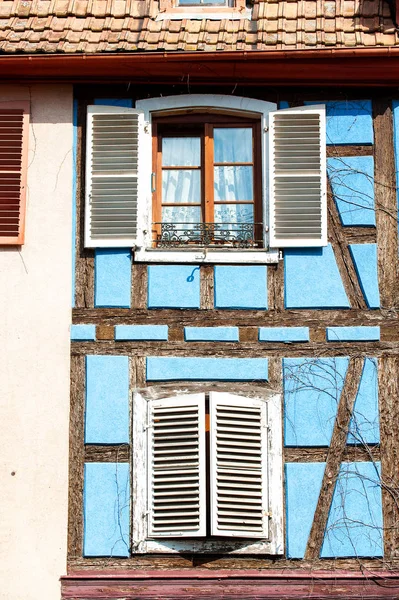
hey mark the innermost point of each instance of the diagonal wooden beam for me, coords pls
(342, 255)
(335, 456)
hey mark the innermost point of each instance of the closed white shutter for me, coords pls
(298, 199)
(112, 176)
(238, 457)
(177, 479)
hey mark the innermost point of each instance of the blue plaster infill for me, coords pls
(112, 277)
(312, 279)
(81, 333)
(395, 108)
(211, 334)
(161, 368)
(355, 526)
(107, 400)
(312, 389)
(348, 121)
(123, 102)
(141, 332)
(303, 484)
(241, 287)
(106, 513)
(173, 286)
(353, 334)
(365, 260)
(364, 425)
(352, 184)
(284, 334)
(74, 192)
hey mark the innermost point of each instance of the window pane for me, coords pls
(182, 216)
(233, 144)
(181, 151)
(234, 213)
(233, 183)
(180, 185)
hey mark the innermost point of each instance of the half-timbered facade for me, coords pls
(223, 178)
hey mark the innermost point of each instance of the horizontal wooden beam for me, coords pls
(192, 584)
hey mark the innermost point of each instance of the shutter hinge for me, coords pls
(147, 127)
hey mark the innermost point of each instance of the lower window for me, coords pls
(212, 476)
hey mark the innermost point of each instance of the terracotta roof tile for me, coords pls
(127, 25)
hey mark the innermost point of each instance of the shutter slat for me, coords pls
(14, 123)
(113, 166)
(238, 472)
(177, 471)
(298, 177)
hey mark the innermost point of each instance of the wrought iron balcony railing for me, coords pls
(209, 235)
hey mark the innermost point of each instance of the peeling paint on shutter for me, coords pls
(177, 481)
(14, 124)
(238, 458)
(112, 176)
(298, 199)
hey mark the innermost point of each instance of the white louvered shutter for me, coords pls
(113, 183)
(177, 479)
(298, 198)
(238, 457)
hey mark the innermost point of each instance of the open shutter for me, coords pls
(177, 480)
(14, 125)
(298, 199)
(113, 183)
(238, 457)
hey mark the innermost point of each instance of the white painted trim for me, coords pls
(223, 103)
(204, 256)
(231, 15)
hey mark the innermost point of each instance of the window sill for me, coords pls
(206, 256)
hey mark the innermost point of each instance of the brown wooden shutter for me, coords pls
(14, 123)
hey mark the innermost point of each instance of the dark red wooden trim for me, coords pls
(240, 585)
(328, 67)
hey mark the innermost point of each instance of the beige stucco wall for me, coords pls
(35, 309)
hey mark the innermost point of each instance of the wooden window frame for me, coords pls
(205, 123)
(19, 239)
(171, 9)
(142, 544)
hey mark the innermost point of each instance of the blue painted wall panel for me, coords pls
(348, 121)
(107, 400)
(352, 184)
(303, 484)
(112, 277)
(173, 286)
(141, 332)
(312, 388)
(312, 279)
(284, 334)
(241, 287)
(353, 334)
(211, 334)
(365, 261)
(106, 501)
(81, 333)
(354, 526)
(161, 368)
(124, 102)
(364, 424)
